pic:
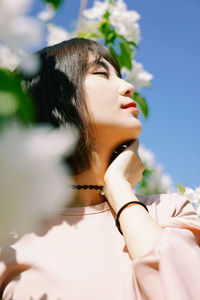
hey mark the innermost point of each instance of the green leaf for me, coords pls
(142, 187)
(181, 189)
(14, 102)
(89, 35)
(56, 3)
(8, 103)
(126, 55)
(106, 15)
(142, 104)
(132, 43)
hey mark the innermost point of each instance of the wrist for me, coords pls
(119, 192)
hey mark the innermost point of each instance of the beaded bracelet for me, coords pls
(123, 207)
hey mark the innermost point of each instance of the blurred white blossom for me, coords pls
(124, 21)
(8, 59)
(48, 13)
(147, 156)
(137, 75)
(158, 181)
(87, 26)
(30, 64)
(56, 34)
(194, 197)
(33, 181)
(17, 30)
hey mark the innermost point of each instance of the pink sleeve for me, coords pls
(171, 269)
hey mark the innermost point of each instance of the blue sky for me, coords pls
(170, 50)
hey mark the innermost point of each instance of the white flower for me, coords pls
(147, 157)
(124, 21)
(56, 34)
(8, 59)
(159, 181)
(137, 75)
(48, 13)
(33, 181)
(17, 30)
(29, 63)
(97, 11)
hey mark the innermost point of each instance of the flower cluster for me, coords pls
(33, 181)
(124, 21)
(157, 181)
(138, 76)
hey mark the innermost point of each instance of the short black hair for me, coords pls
(58, 94)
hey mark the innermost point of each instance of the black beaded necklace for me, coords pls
(91, 187)
(100, 187)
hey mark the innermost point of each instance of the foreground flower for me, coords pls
(17, 30)
(56, 34)
(138, 76)
(123, 20)
(8, 59)
(33, 181)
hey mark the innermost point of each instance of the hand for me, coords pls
(127, 166)
(124, 172)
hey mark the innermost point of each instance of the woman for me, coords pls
(153, 252)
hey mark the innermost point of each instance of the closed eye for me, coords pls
(102, 73)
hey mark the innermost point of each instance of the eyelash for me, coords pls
(102, 73)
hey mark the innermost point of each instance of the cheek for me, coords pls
(101, 98)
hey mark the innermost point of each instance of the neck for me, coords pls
(93, 176)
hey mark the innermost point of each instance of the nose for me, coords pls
(126, 89)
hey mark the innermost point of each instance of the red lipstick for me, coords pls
(131, 106)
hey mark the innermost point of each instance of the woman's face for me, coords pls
(109, 101)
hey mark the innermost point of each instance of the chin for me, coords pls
(133, 132)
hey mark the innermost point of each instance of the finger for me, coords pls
(134, 146)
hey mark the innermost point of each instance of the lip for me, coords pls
(130, 106)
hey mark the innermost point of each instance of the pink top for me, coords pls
(81, 255)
